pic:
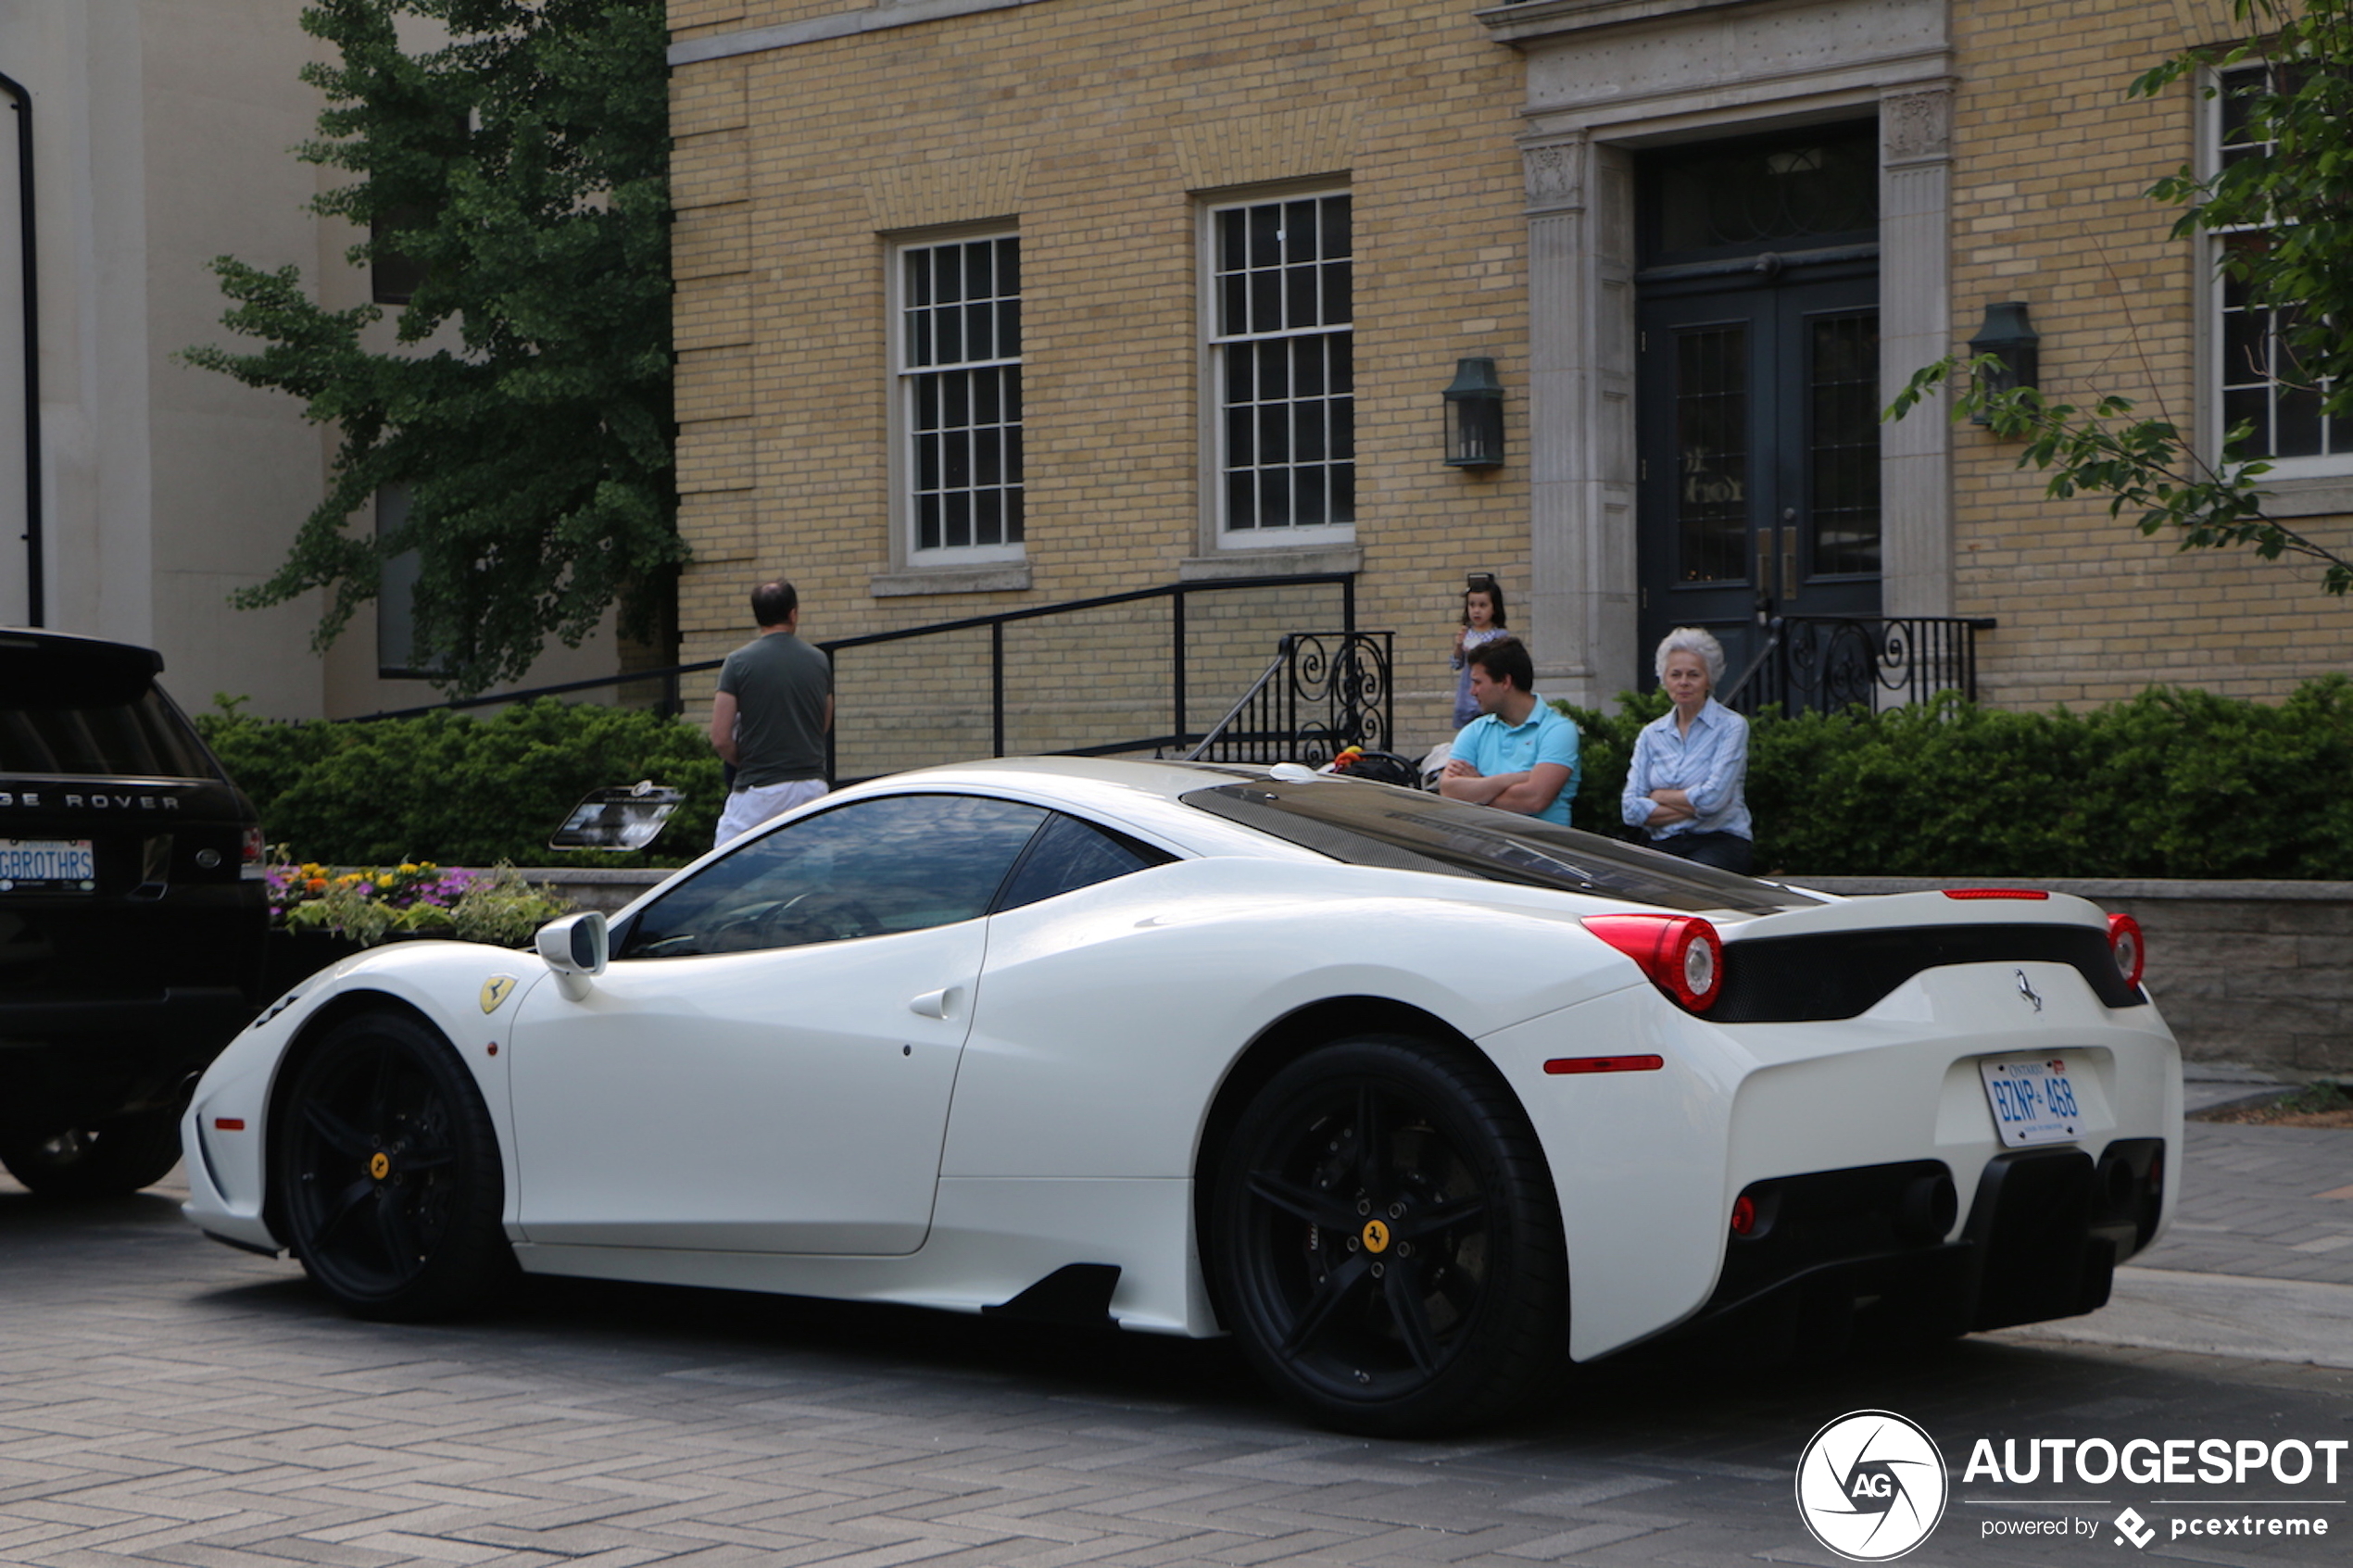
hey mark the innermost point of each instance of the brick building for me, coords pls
(986, 304)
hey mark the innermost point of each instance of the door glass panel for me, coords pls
(1711, 445)
(1842, 442)
(1747, 195)
(904, 862)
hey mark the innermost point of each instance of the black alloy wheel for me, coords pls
(387, 1173)
(107, 1159)
(1386, 1240)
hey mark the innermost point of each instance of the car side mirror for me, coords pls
(576, 947)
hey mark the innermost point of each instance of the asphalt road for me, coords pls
(167, 1400)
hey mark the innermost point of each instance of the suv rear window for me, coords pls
(1370, 825)
(91, 710)
(143, 738)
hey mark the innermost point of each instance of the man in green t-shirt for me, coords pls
(775, 705)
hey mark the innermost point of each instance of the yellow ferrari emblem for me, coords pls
(1376, 1236)
(496, 990)
(380, 1164)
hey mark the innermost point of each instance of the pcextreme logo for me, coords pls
(1870, 1485)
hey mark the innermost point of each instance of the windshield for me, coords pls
(1369, 824)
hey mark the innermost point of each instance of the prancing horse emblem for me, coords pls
(2026, 989)
(499, 987)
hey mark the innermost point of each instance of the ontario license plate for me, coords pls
(2033, 1100)
(66, 865)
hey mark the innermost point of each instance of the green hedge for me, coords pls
(2172, 784)
(463, 791)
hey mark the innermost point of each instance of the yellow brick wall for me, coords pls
(2050, 163)
(1098, 136)
(1095, 132)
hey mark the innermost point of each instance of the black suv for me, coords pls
(131, 939)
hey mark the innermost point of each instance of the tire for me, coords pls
(387, 1173)
(1386, 1243)
(107, 1158)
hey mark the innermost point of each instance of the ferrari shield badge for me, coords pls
(496, 990)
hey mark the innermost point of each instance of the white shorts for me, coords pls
(747, 809)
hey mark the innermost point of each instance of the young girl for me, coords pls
(1482, 622)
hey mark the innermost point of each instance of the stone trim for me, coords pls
(991, 577)
(817, 30)
(1272, 561)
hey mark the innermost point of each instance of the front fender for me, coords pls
(466, 990)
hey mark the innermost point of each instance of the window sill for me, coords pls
(2311, 496)
(1281, 561)
(987, 577)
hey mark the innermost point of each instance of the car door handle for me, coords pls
(941, 1003)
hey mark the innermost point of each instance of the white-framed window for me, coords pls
(2253, 376)
(956, 350)
(1280, 280)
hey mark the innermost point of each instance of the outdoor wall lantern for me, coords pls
(2008, 334)
(1475, 417)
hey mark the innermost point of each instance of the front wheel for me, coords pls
(1386, 1240)
(107, 1159)
(388, 1173)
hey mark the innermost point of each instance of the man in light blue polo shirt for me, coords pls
(1519, 754)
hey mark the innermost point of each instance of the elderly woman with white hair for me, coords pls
(1684, 786)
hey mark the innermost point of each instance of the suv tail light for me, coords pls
(2124, 942)
(254, 847)
(1682, 954)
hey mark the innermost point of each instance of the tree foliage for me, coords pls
(2289, 193)
(523, 167)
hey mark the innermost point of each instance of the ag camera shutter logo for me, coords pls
(1870, 1485)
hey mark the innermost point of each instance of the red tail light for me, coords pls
(252, 846)
(2124, 942)
(1682, 954)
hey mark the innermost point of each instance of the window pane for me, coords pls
(1069, 855)
(1282, 269)
(870, 868)
(964, 421)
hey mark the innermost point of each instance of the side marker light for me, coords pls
(1561, 1065)
(1744, 1214)
(228, 1124)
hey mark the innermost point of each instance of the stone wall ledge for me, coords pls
(2097, 889)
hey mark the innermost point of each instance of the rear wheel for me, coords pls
(388, 1173)
(107, 1158)
(1386, 1240)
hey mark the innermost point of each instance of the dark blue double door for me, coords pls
(1757, 401)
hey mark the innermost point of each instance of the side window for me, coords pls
(1069, 855)
(904, 862)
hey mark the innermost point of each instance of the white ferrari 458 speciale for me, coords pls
(1422, 1101)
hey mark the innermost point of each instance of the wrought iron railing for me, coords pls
(1322, 692)
(1823, 664)
(1059, 678)
(1084, 678)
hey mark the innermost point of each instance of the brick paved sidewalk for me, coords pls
(2270, 1202)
